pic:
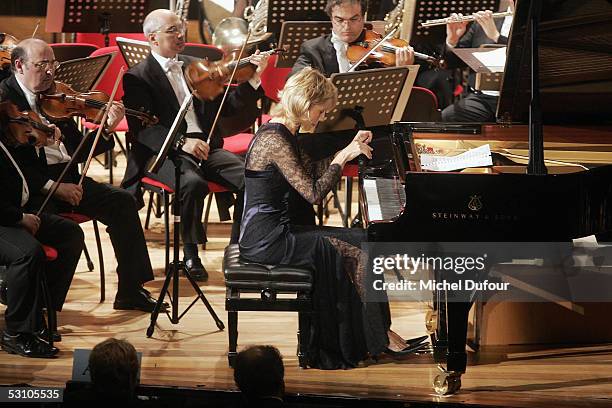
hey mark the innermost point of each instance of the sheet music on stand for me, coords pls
(419, 11)
(294, 10)
(379, 94)
(84, 74)
(488, 63)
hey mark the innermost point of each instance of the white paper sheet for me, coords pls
(478, 157)
(494, 60)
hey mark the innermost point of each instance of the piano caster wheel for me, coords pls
(431, 321)
(447, 383)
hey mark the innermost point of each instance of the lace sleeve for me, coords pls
(272, 149)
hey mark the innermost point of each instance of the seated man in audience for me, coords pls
(34, 67)
(21, 253)
(259, 373)
(157, 85)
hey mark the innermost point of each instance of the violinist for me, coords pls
(157, 85)
(21, 236)
(34, 66)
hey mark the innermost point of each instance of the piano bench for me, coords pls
(268, 281)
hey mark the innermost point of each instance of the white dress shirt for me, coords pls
(25, 191)
(341, 47)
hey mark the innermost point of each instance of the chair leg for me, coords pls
(88, 258)
(232, 323)
(51, 314)
(149, 208)
(207, 212)
(166, 201)
(101, 259)
(349, 197)
(338, 205)
(123, 149)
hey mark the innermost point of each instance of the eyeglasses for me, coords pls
(352, 20)
(45, 65)
(173, 29)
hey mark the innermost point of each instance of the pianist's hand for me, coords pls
(364, 136)
(354, 149)
(486, 21)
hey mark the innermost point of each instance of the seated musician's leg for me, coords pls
(472, 108)
(24, 259)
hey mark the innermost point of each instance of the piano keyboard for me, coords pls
(384, 197)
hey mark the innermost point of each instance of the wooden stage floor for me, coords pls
(193, 353)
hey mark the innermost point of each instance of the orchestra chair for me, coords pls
(267, 281)
(80, 219)
(164, 194)
(51, 255)
(106, 84)
(272, 80)
(422, 106)
(98, 39)
(69, 51)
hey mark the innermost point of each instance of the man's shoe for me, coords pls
(27, 345)
(141, 300)
(196, 269)
(44, 334)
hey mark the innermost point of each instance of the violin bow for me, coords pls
(374, 48)
(111, 99)
(36, 28)
(214, 125)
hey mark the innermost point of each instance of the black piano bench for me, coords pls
(269, 281)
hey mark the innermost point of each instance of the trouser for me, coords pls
(475, 107)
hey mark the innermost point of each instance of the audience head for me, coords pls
(113, 365)
(165, 32)
(259, 372)
(34, 64)
(305, 99)
(347, 17)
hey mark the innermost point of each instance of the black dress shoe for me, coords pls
(407, 350)
(141, 300)
(416, 341)
(27, 345)
(44, 334)
(196, 269)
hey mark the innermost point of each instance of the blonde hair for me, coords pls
(303, 90)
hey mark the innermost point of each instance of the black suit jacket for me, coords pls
(11, 185)
(147, 88)
(318, 53)
(35, 168)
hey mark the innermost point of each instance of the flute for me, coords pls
(443, 21)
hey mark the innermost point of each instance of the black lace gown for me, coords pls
(344, 329)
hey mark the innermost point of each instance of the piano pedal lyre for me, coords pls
(447, 382)
(431, 321)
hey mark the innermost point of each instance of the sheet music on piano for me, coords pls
(478, 157)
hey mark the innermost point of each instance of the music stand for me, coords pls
(378, 96)
(294, 10)
(133, 51)
(84, 74)
(488, 78)
(419, 11)
(294, 33)
(101, 16)
(177, 266)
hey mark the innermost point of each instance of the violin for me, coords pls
(62, 102)
(7, 43)
(385, 53)
(25, 127)
(208, 78)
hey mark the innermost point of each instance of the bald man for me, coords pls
(157, 85)
(34, 67)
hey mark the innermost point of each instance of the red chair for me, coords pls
(69, 51)
(98, 39)
(273, 79)
(106, 84)
(80, 219)
(422, 106)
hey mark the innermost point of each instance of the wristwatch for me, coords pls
(178, 145)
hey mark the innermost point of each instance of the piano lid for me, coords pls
(575, 63)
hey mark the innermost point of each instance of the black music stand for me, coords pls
(133, 51)
(84, 74)
(294, 10)
(419, 11)
(101, 16)
(177, 266)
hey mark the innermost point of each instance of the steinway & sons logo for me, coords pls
(474, 205)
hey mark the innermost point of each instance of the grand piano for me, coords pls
(571, 87)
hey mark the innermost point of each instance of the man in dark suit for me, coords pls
(34, 68)
(157, 85)
(21, 235)
(476, 106)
